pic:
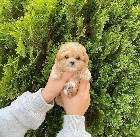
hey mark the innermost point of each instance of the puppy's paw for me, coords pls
(85, 74)
(54, 76)
(69, 86)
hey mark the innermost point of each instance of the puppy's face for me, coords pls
(72, 56)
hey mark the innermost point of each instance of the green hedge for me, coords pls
(31, 32)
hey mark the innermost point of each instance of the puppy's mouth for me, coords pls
(72, 68)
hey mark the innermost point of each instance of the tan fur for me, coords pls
(72, 50)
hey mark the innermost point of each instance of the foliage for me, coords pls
(31, 33)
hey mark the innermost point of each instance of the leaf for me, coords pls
(20, 48)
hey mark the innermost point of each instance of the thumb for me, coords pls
(82, 86)
(67, 75)
(64, 97)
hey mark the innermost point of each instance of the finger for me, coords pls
(82, 86)
(64, 97)
(57, 94)
(87, 87)
(67, 75)
(89, 99)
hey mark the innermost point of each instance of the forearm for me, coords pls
(74, 126)
(26, 112)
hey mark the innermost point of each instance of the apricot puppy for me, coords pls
(72, 56)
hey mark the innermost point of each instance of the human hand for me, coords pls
(78, 104)
(54, 86)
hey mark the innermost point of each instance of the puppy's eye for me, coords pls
(78, 58)
(66, 57)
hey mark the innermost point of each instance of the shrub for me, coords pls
(31, 33)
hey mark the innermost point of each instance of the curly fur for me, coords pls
(68, 53)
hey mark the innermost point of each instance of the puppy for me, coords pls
(72, 56)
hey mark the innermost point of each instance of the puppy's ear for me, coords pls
(60, 53)
(86, 58)
(58, 56)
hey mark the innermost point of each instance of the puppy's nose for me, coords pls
(72, 62)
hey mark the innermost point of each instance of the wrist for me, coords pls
(47, 96)
(75, 113)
